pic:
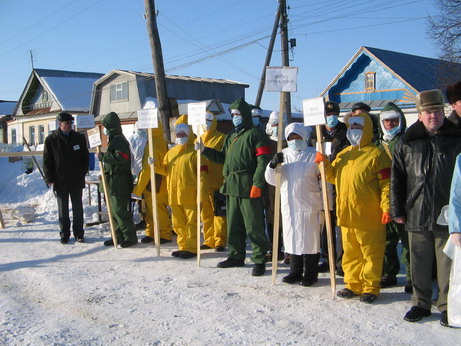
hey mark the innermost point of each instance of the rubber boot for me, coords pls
(311, 269)
(296, 269)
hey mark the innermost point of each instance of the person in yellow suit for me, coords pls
(144, 188)
(361, 174)
(214, 221)
(180, 168)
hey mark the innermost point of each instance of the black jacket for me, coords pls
(455, 119)
(337, 138)
(422, 168)
(65, 160)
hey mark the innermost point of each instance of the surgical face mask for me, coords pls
(256, 121)
(275, 131)
(297, 144)
(391, 133)
(354, 136)
(106, 132)
(208, 125)
(181, 140)
(237, 120)
(332, 120)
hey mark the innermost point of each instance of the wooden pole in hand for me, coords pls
(106, 195)
(326, 207)
(199, 165)
(278, 179)
(153, 188)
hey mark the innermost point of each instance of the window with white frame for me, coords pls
(13, 136)
(41, 134)
(370, 81)
(31, 135)
(119, 92)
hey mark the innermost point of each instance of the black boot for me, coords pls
(311, 269)
(296, 270)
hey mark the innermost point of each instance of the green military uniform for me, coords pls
(245, 155)
(117, 168)
(394, 231)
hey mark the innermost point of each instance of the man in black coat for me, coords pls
(334, 132)
(422, 168)
(65, 164)
(454, 99)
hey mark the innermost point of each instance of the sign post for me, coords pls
(279, 79)
(148, 119)
(314, 115)
(196, 116)
(94, 139)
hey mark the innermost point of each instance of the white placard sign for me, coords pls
(196, 113)
(314, 111)
(148, 118)
(85, 121)
(94, 137)
(280, 79)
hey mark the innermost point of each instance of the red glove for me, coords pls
(255, 192)
(319, 157)
(386, 218)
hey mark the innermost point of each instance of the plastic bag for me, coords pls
(454, 293)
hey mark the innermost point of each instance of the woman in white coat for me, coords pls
(301, 203)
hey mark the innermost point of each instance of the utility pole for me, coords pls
(285, 57)
(270, 49)
(159, 69)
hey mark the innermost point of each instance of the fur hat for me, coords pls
(454, 92)
(429, 99)
(362, 106)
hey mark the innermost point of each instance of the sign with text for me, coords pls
(314, 111)
(85, 121)
(94, 137)
(281, 79)
(196, 113)
(148, 118)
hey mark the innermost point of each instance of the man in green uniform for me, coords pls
(117, 168)
(245, 155)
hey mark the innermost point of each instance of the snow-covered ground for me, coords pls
(88, 294)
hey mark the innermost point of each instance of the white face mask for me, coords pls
(354, 136)
(106, 132)
(181, 140)
(208, 125)
(297, 144)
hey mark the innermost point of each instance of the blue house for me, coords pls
(376, 77)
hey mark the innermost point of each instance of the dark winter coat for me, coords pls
(65, 160)
(245, 155)
(422, 168)
(117, 159)
(455, 119)
(337, 138)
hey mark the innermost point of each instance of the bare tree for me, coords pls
(445, 29)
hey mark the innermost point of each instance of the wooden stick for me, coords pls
(106, 194)
(153, 185)
(278, 179)
(36, 163)
(199, 164)
(326, 207)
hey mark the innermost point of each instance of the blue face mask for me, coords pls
(256, 121)
(297, 144)
(332, 120)
(237, 120)
(394, 131)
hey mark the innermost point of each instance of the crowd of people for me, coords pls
(388, 186)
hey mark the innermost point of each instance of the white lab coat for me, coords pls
(301, 201)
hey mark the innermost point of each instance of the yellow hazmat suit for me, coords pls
(180, 168)
(361, 174)
(143, 187)
(214, 227)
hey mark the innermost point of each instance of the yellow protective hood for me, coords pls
(367, 136)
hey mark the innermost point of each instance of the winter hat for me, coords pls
(63, 116)
(331, 107)
(256, 112)
(274, 118)
(454, 92)
(299, 129)
(390, 111)
(429, 99)
(361, 105)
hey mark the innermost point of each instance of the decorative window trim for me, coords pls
(119, 92)
(370, 81)
(44, 96)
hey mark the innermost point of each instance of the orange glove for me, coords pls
(386, 218)
(319, 157)
(255, 192)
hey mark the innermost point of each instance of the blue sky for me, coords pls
(228, 37)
